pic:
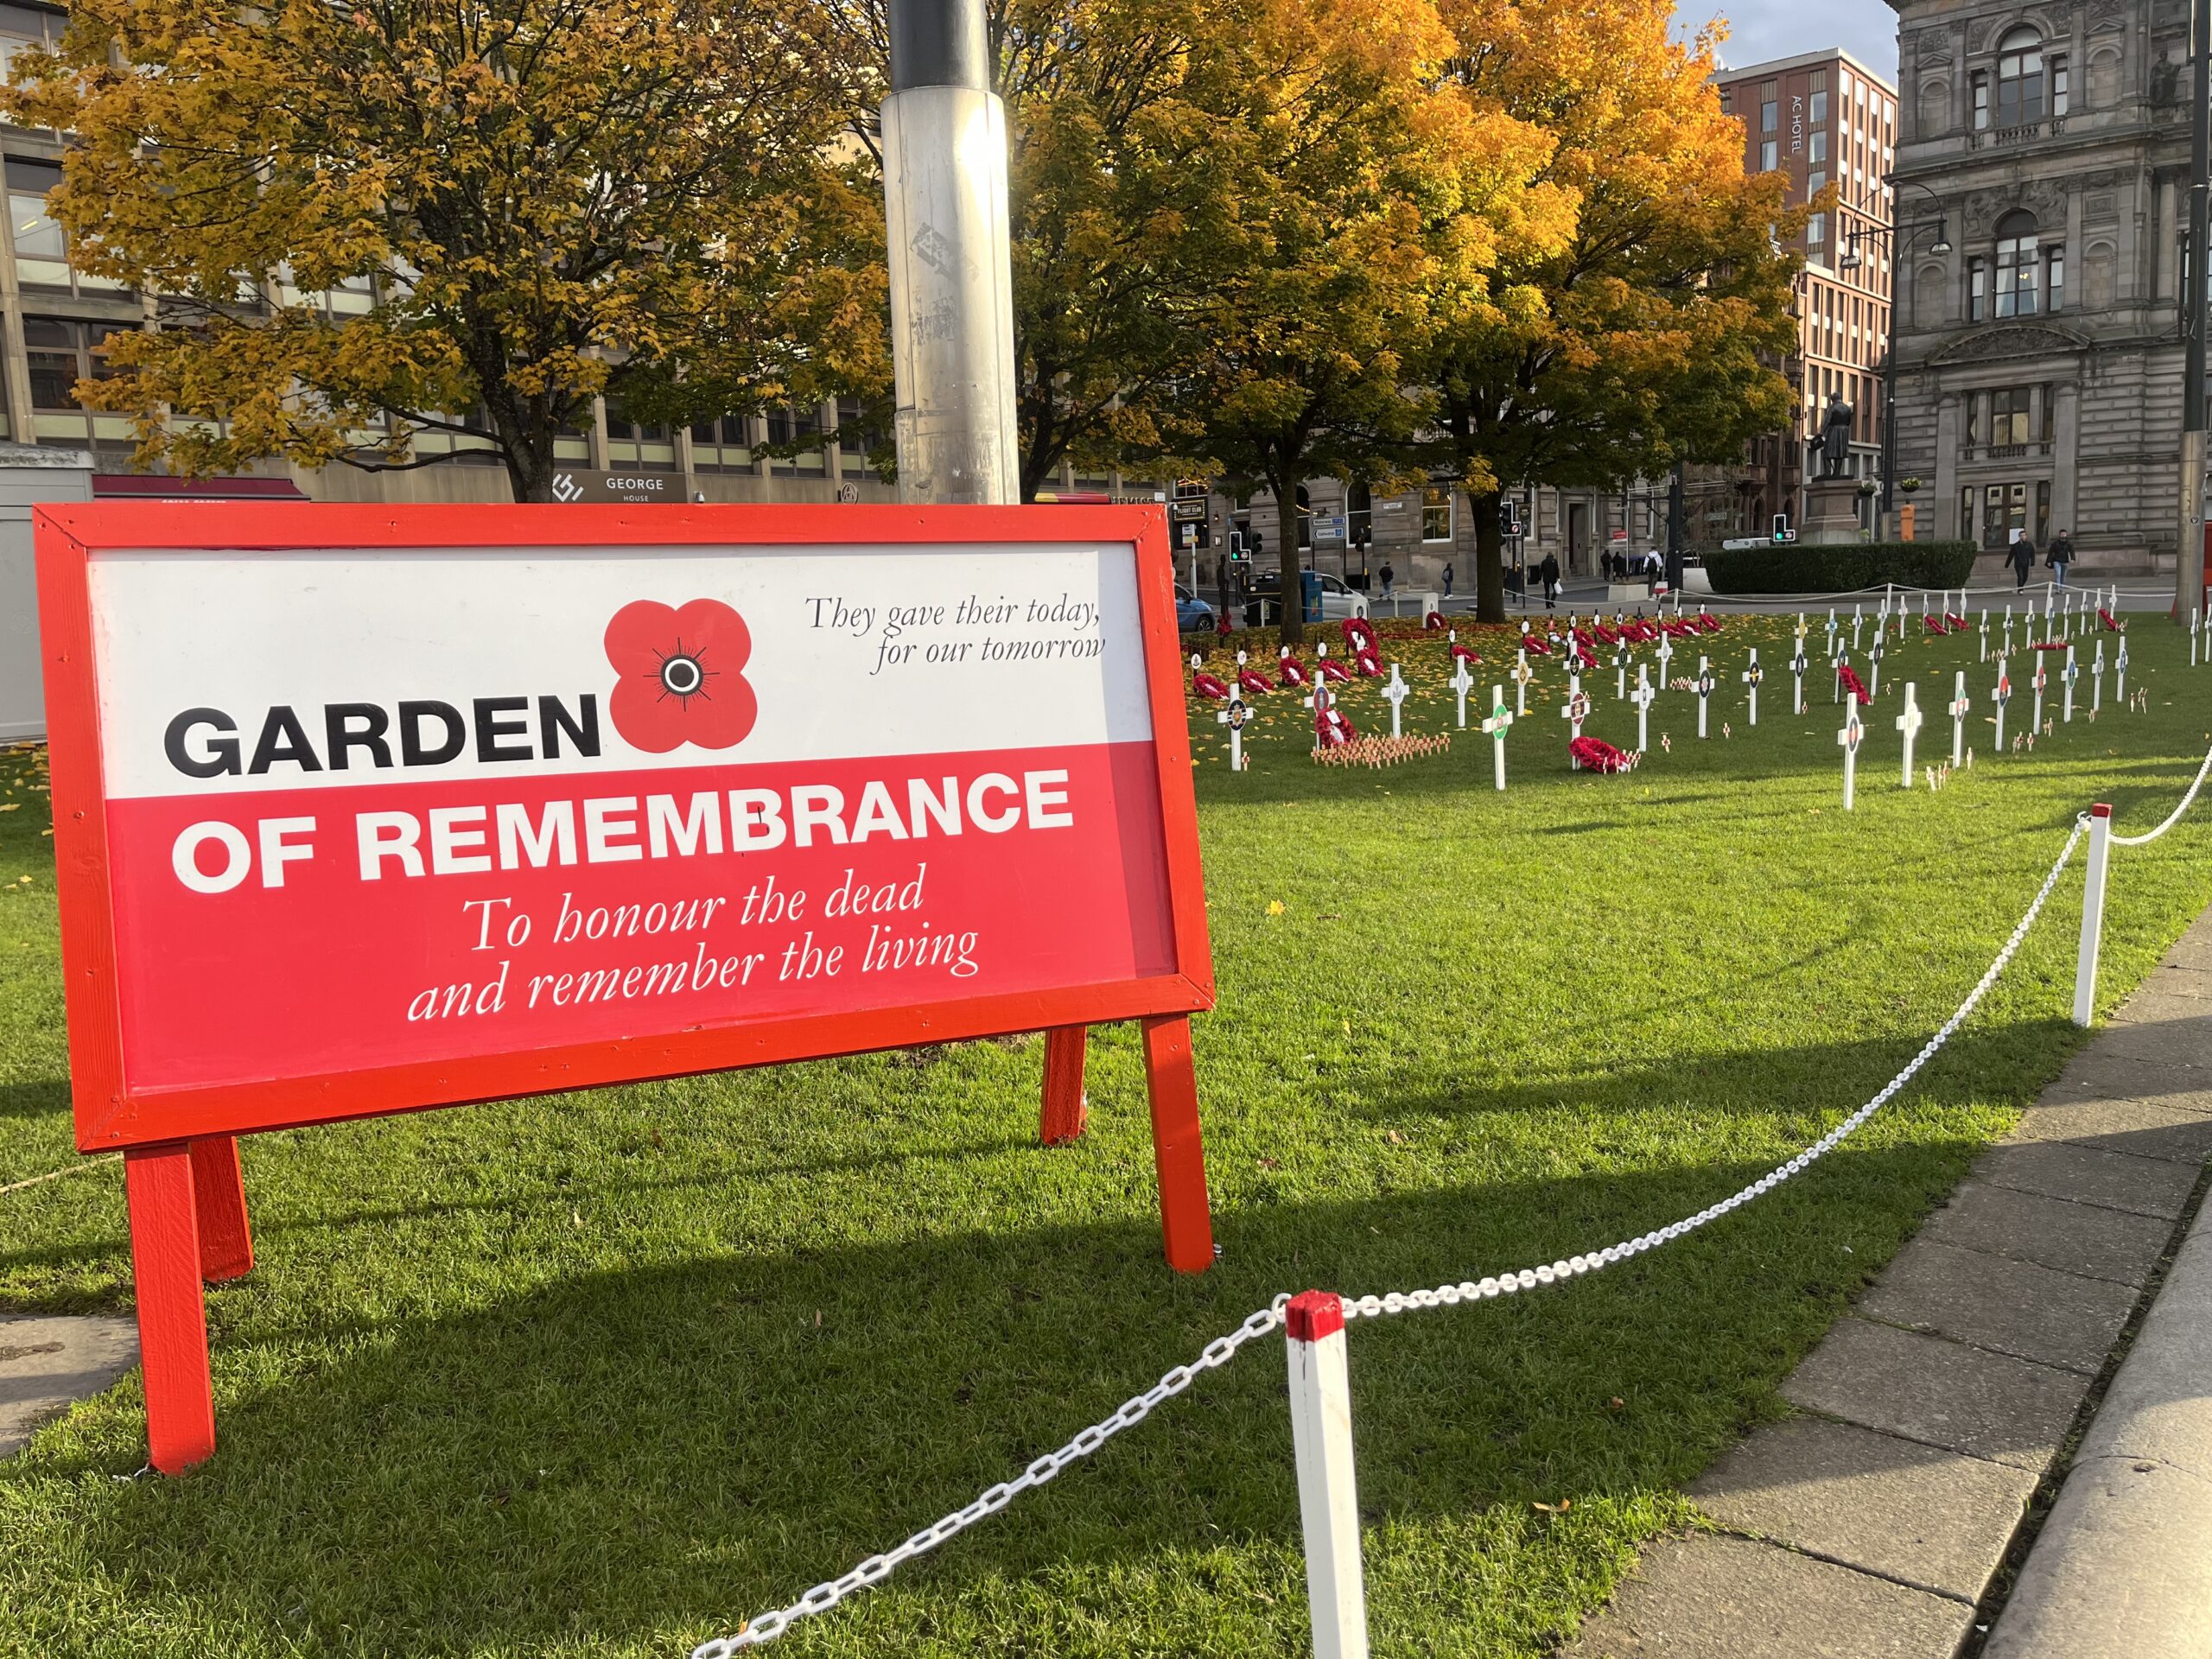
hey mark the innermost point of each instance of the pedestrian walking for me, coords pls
(1447, 581)
(1390, 578)
(1547, 572)
(2061, 556)
(2022, 556)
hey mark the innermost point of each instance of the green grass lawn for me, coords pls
(601, 1374)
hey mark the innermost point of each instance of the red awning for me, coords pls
(155, 487)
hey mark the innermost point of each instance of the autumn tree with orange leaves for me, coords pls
(1647, 334)
(550, 199)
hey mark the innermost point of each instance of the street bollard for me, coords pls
(1328, 1504)
(2093, 914)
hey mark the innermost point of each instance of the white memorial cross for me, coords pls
(1397, 690)
(2072, 672)
(1521, 676)
(1620, 670)
(1851, 736)
(1462, 683)
(1752, 675)
(1666, 654)
(2195, 617)
(1705, 684)
(1500, 722)
(1957, 709)
(1999, 698)
(2008, 630)
(1842, 661)
(1233, 717)
(1985, 633)
(2120, 669)
(1575, 709)
(1874, 662)
(2039, 682)
(1831, 633)
(1910, 723)
(1857, 621)
(2097, 679)
(1797, 667)
(1642, 697)
(1320, 700)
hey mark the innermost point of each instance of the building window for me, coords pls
(1815, 182)
(1820, 108)
(62, 352)
(1981, 100)
(2016, 264)
(2054, 279)
(1769, 107)
(2059, 88)
(2050, 412)
(42, 250)
(1816, 230)
(1769, 158)
(1436, 513)
(2019, 78)
(2009, 410)
(1818, 152)
(2042, 511)
(1359, 514)
(1977, 288)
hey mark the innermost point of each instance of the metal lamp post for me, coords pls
(1850, 261)
(944, 190)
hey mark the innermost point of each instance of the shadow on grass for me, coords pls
(637, 1452)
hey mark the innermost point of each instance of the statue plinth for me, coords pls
(1831, 512)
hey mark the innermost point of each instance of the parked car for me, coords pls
(1338, 601)
(1193, 615)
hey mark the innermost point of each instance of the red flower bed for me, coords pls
(1852, 683)
(1595, 754)
(1207, 686)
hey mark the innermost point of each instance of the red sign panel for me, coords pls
(359, 810)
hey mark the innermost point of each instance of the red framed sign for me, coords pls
(367, 809)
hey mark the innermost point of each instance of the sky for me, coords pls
(1758, 29)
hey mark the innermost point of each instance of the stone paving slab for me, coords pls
(2090, 1174)
(2184, 1043)
(2096, 1075)
(1930, 1518)
(2004, 1306)
(2180, 1129)
(50, 1361)
(1712, 1597)
(1940, 1393)
(2082, 1238)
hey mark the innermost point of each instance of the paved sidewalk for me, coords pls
(49, 1362)
(1869, 1525)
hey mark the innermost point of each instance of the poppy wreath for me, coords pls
(678, 675)
(1206, 686)
(1535, 643)
(1707, 623)
(1582, 639)
(1221, 626)
(1333, 728)
(1432, 621)
(1935, 625)
(1678, 630)
(1359, 635)
(2049, 645)
(1640, 632)
(1595, 754)
(1368, 664)
(1462, 654)
(1332, 671)
(1958, 623)
(1291, 671)
(1852, 683)
(2106, 617)
(1610, 636)
(1254, 682)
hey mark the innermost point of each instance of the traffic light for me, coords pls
(1236, 553)
(1781, 526)
(1508, 516)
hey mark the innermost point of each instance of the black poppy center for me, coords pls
(681, 676)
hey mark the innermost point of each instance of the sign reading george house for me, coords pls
(361, 810)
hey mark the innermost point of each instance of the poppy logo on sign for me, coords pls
(565, 487)
(678, 675)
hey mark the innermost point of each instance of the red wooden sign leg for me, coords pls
(218, 1195)
(1064, 1106)
(1185, 1225)
(172, 1317)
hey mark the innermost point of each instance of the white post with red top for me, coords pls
(1328, 1502)
(2093, 914)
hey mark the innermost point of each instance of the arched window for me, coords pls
(2017, 263)
(2019, 78)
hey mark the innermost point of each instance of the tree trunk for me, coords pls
(1293, 585)
(1490, 563)
(529, 466)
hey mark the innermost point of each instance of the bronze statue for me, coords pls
(1833, 444)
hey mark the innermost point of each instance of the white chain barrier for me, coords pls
(2173, 818)
(757, 1632)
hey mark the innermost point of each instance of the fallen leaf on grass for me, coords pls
(1560, 1508)
(1275, 906)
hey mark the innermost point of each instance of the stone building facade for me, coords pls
(2042, 183)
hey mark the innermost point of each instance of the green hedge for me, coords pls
(1800, 569)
